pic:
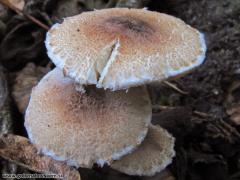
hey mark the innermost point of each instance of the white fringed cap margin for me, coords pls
(152, 156)
(86, 128)
(120, 48)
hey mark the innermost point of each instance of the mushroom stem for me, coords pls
(79, 88)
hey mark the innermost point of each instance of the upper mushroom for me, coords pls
(120, 48)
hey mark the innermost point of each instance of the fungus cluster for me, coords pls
(81, 113)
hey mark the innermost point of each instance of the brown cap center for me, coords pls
(129, 26)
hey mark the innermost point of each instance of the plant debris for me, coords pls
(17, 3)
(25, 80)
(6, 122)
(201, 143)
(232, 102)
(19, 150)
(22, 44)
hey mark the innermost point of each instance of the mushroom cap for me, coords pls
(152, 156)
(85, 128)
(120, 48)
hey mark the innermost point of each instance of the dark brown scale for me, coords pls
(133, 24)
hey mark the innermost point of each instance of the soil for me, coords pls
(207, 137)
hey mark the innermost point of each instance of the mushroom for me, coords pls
(120, 48)
(152, 156)
(112, 49)
(85, 128)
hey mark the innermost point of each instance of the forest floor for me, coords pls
(205, 119)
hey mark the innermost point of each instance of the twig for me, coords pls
(175, 87)
(18, 11)
(163, 108)
(203, 114)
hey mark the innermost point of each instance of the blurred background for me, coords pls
(202, 109)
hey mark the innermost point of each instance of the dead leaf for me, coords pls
(164, 175)
(23, 43)
(6, 121)
(25, 80)
(5, 15)
(19, 150)
(54, 11)
(232, 102)
(18, 3)
(3, 87)
(132, 3)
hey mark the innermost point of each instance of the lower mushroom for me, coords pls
(152, 156)
(86, 128)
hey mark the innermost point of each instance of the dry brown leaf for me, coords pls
(164, 175)
(232, 103)
(6, 120)
(18, 3)
(19, 150)
(25, 80)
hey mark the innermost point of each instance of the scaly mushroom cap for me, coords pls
(152, 156)
(119, 48)
(84, 128)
